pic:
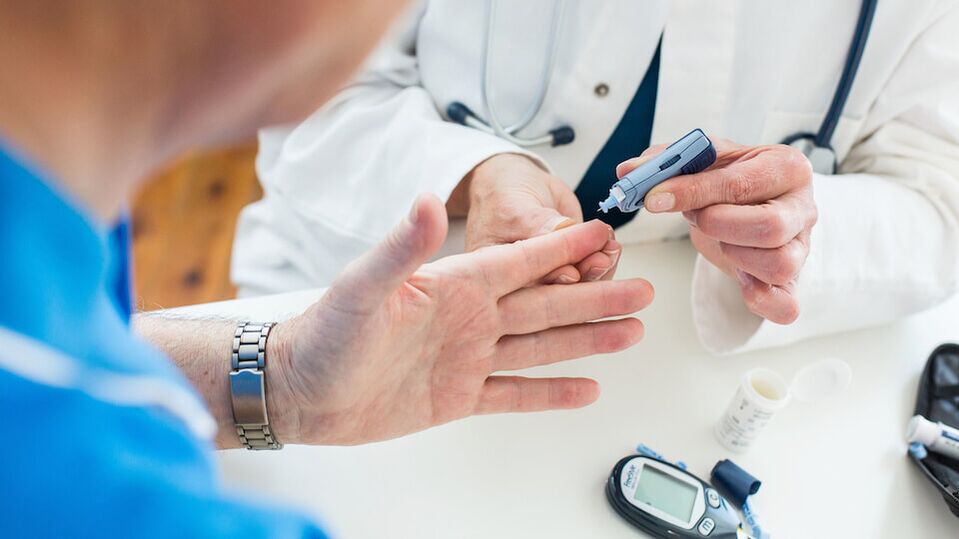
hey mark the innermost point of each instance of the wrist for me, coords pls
(483, 177)
(281, 408)
(505, 166)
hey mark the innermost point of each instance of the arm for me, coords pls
(395, 346)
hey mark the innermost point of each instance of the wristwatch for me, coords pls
(248, 386)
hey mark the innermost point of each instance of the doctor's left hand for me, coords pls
(750, 215)
(509, 198)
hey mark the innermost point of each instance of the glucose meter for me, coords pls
(666, 501)
(688, 155)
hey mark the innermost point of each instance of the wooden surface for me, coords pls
(183, 226)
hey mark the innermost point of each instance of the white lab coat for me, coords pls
(753, 71)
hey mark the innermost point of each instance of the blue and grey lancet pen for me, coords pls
(691, 154)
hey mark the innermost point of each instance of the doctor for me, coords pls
(571, 88)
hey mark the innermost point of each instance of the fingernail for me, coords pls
(596, 273)
(561, 279)
(613, 249)
(660, 202)
(560, 223)
(415, 211)
(691, 217)
(613, 257)
(744, 278)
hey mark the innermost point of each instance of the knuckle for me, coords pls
(797, 165)
(738, 188)
(786, 263)
(537, 347)
(705, 221)
(772, 228)
(512, 220)
(394, 248)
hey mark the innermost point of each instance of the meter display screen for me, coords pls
(666, 493)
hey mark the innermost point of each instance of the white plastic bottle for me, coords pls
(937, 437)
(763, 392)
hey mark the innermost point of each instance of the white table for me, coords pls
(830, 470)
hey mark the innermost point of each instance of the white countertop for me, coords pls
(835, 469)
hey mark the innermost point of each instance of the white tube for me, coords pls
(937, 437)
(761, 393)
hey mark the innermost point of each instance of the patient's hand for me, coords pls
(395, 347)
(510, 198)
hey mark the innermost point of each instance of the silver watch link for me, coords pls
(248, 386)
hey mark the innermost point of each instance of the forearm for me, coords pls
(202, 349)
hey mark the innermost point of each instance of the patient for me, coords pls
(108, 437)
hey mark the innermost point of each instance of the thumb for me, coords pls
(370, 279)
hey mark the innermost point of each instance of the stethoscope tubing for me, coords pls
(856, 49)
(486, 91)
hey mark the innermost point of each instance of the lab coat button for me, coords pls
(601, 89)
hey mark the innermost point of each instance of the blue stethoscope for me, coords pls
(816, 146)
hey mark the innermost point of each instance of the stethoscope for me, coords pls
(460, 113)
(816, 146)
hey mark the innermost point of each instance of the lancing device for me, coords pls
(688, 155)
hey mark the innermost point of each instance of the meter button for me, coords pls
(712, 497)
(706, 526)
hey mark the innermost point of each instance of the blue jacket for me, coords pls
(104, 436)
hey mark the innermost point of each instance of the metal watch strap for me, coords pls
(248, 386)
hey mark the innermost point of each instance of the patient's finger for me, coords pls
(513, 266)
(518, 394)
(542, 307)
(563, 343)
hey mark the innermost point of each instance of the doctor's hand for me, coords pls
(510, 198)
(396, 346)
(750, 214)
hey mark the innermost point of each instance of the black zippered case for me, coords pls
(938, 400)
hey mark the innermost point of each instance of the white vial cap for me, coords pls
(922, 430)
(821, 380)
